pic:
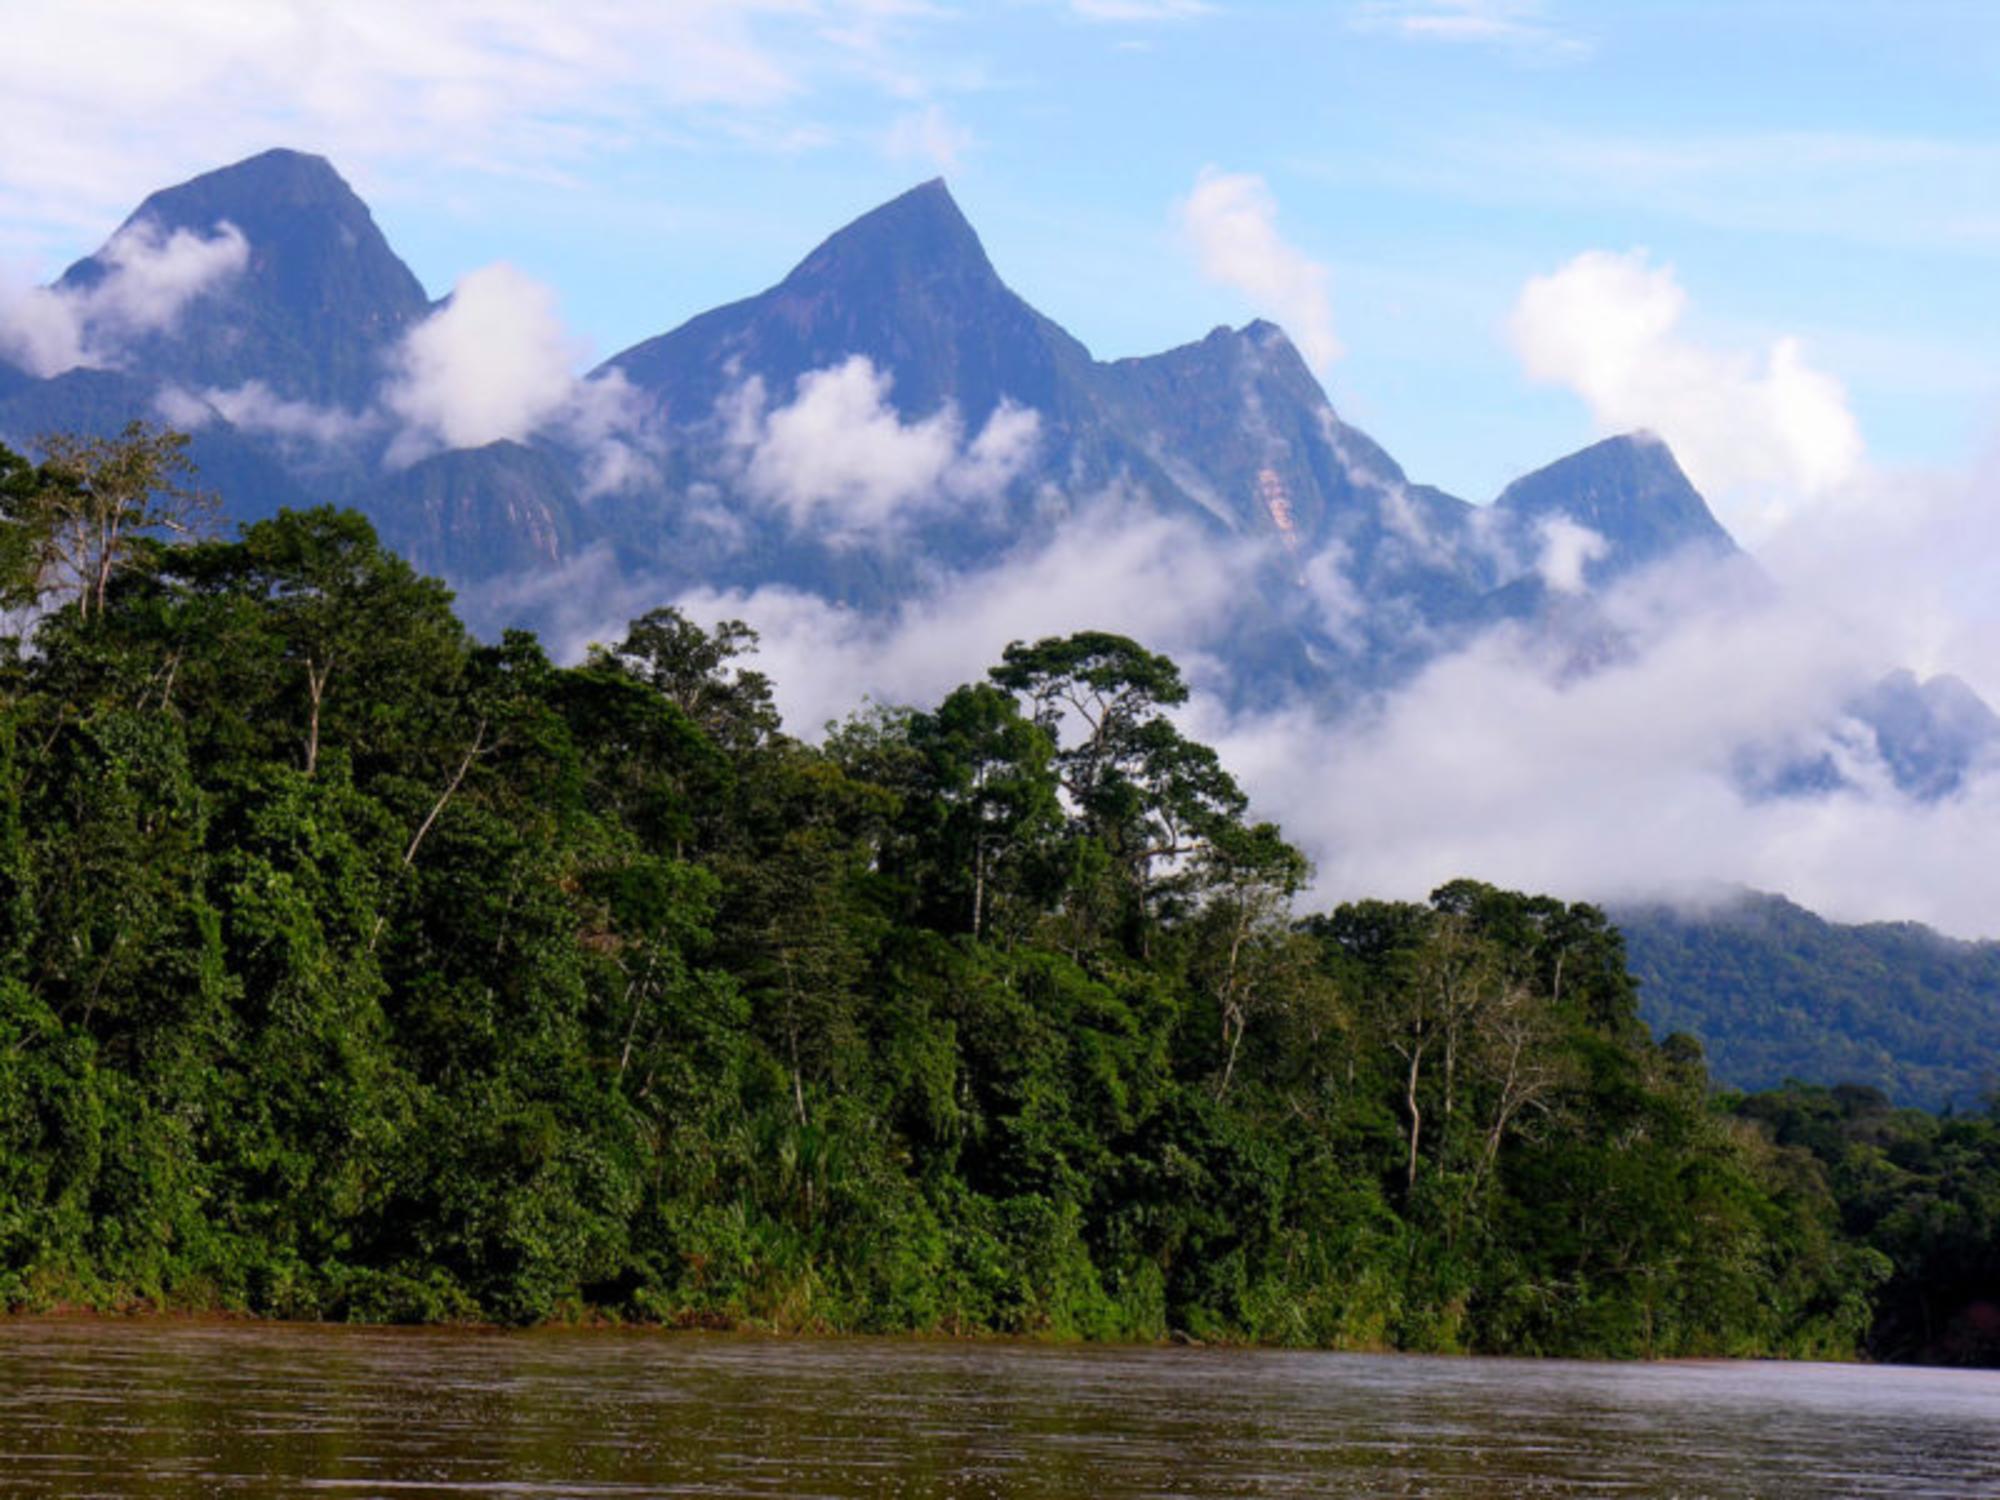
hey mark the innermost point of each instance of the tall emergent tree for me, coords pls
(96, 507)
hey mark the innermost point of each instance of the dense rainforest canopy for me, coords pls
(353, 968)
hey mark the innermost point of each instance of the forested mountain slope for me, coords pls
(1775, 992)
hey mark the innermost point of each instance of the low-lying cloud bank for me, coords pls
(1500, 761)
(1625, 782)
(1114, 566)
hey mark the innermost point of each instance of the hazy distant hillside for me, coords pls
(1775, 992)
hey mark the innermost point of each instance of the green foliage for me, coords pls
(351, 968)
(1776, 993)
(1922, 1193)
(95, 508)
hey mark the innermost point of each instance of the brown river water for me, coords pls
(170, 1410)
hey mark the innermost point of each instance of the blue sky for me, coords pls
(1828, 173)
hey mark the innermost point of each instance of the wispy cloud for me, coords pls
(148, 279)
(1231, 220)
(1881, 189)
(1521, 27)
(514, 88)
(1139, 10)
(254, 407)
(929, 136)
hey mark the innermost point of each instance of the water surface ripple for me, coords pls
(168, 1410)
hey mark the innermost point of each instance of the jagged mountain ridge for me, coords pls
(1231, 434)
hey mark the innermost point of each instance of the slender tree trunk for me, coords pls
(1416, 1124)
(1502, 1113)
(316, 680)
(792, 1038)
(636, 992)
(978, 886)
(1229, 1063)
(1233, 1021)
(472, 753)
(103, 584)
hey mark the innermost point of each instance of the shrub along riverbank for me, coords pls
(352, 968)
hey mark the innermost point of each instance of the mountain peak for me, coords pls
(1931, 732)
(269, 190)
(920, 232)
(319, 296)
(1630, 490)
(305, 173)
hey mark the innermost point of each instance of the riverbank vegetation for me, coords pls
(353, 968)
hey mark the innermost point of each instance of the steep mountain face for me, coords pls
(1629, 494)
(480, 512)
(318, 298)
(246, 305)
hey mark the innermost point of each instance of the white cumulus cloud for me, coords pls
(839, 455)
(1231, 219)
(1761, 433)
(497, 362)
(494, 362)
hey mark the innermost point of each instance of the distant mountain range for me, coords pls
(261, 307)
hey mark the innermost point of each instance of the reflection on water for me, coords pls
(183, 1410)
